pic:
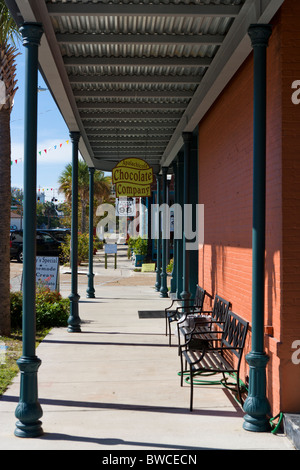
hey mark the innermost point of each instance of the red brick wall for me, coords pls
(225, 189)
(290, 315)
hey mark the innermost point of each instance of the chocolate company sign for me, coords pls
(132, 177)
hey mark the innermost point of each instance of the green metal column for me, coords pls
(164, 288)
(158, 240)
(74, 319)
(179, 251)
(90, 290)
(29, 411)
(187, 139)
(193, 200)
(256, 405)
(173, 285)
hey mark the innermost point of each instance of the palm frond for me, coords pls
(9, 32)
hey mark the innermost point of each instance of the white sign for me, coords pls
(125, 207)
(110, 248)
(47, 271)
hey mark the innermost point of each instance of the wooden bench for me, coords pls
(216, 352)
(206, 320)
(191, 306)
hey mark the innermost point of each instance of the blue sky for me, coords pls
(52, 131)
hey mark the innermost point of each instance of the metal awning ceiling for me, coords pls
(132, 75)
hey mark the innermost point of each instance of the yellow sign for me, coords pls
(132, 177)
(148, 268)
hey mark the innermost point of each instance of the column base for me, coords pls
(158, 282)
(74, 320)
(28, 410)
(28, 431)
(163, 293)
(90, 292)
(163, 288)
(256, 406)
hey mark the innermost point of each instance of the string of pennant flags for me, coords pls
(42, 152)
(44, 192)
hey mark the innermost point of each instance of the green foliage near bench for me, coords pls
(52, 310)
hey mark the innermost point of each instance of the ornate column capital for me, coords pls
(31, 33)
(260, 34)
(187, 137)
(74, 136)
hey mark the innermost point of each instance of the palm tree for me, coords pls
(8, 88)
(102, 187)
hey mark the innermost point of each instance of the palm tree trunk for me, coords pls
(5, 182)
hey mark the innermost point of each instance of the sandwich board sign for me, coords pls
(47, 272)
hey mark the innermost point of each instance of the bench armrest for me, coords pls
(178, 300)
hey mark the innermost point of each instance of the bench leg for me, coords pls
(181, 369)
(178, 334)
(170, 339)
(191, 388)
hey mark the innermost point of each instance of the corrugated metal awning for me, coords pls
(132, 75)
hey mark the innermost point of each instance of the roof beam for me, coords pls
(90, 93)
(188, 39)
(131, 146)
(126, 154)
(130, 125)
(100, 9)
(138, 61)
(132, 105)
(121, 115)
(136, 79)
(116, 138)
(97, 134)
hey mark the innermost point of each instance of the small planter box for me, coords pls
(139, 260)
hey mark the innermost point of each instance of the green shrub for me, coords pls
(51, 309)
(16, 307)
(170, 266)
(140, 246)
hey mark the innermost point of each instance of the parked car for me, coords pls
(46, 245)
(59, 234)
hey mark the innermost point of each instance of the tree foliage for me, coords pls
(102, 188)
(9, 35)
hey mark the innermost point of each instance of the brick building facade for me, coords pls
(225, 189)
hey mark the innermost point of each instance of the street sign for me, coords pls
(125, 207)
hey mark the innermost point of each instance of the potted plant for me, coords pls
(140, 250)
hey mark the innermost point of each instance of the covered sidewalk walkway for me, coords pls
(115, 387)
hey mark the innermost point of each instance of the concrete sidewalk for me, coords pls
(115, 387)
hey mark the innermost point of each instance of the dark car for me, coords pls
(59, 234)
(46, 245)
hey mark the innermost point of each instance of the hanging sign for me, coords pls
(132, 177)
